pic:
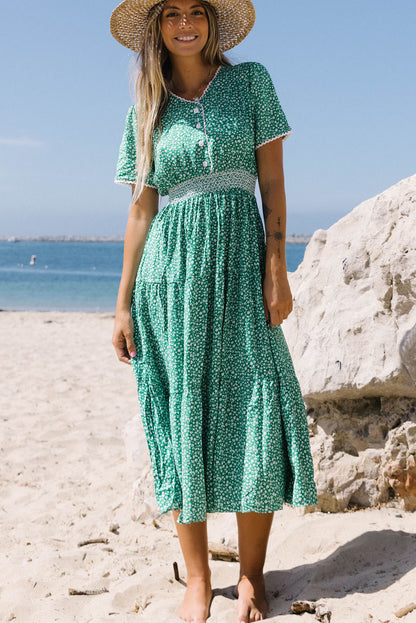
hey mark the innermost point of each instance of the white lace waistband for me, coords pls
(213, 182)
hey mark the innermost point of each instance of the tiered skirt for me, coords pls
(220, 402)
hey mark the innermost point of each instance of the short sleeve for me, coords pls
(126, 164)
(269, 119)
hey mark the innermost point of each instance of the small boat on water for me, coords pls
(32, 260)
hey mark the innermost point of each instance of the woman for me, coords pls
(203, 294)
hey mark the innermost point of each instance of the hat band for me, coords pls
(213, 182)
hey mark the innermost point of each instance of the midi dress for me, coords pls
(220, 402)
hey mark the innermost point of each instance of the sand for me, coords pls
(65, 404)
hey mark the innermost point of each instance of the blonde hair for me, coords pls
(151, 73)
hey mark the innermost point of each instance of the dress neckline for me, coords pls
(197, 99)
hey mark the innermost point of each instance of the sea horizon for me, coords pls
(71, 273)
(290, 238)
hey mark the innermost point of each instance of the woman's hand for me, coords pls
(123, 337)
(277, 297)
(140, 219)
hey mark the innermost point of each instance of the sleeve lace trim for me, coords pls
(130, 182)
(285, 135)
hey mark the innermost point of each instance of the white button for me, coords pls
(205, 163)
(196, 109)
(198, 126)
(201, 143)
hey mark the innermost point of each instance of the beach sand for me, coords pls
(65, 404)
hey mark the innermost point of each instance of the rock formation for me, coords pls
(399, 465)
(352, 335)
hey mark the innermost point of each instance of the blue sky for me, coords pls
(343, 70)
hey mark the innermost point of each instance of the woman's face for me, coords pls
(184, 27)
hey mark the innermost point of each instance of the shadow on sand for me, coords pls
(367, 564)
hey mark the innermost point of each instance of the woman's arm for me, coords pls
(140, 218)
(277, 297)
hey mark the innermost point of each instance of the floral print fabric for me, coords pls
(221, 406)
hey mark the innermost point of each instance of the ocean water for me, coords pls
(71, 276)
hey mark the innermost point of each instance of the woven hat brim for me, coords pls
(235, 20)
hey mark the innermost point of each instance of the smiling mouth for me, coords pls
(186, 38)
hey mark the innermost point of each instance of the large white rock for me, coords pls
(352, 332)
(352, 335)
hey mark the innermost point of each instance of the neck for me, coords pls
(188, 73)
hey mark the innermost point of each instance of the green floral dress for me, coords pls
(221, 405)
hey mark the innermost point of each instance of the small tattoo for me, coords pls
(276, 235)
(266, 211)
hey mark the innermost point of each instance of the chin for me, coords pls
(187, 52)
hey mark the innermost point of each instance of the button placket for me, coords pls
(201, 142)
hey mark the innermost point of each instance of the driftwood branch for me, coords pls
(405, 610)
(176, 574)
(98, 591)
(91, 541)
(299, 607)
(319, 608)
(219, 551)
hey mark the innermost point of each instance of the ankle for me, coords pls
(252, 575)
(200, 576)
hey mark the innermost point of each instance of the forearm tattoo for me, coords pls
(266, 211)
(274, 234)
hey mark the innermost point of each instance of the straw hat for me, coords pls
(235, 20)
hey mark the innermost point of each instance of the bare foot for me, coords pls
(197, 600)
(252, 604)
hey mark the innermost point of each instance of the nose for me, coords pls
(184, 21)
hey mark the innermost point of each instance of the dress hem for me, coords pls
(213, 510)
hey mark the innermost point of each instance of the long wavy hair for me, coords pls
(151, 73)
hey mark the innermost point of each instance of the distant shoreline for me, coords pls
(290, 239)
